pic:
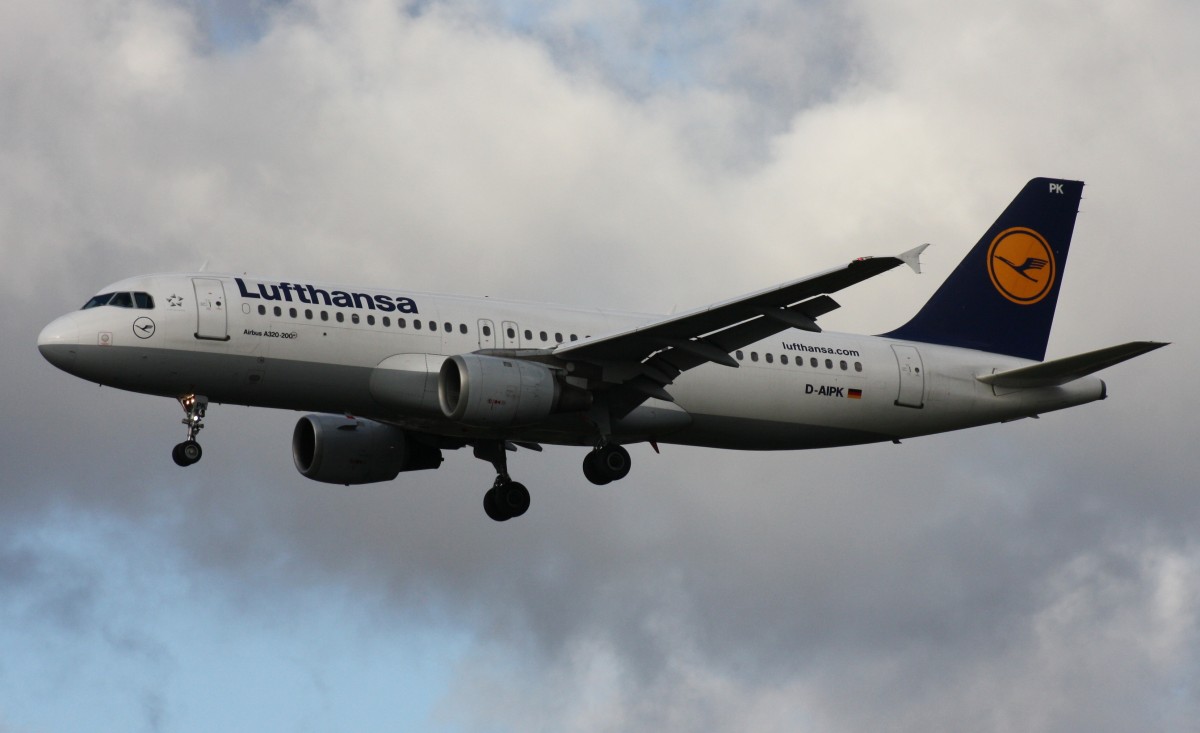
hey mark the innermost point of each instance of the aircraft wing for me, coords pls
(649, 357)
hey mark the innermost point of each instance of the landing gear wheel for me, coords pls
(606, 463)
(591, 471)
(492, 507)
(506, 500)
(515, 498)
(186, 453)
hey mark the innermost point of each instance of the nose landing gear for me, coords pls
(189, 451)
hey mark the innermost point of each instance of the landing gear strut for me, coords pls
(507, 499)
(189, 451)
(607, 463)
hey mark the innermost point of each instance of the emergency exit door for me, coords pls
(912, 376)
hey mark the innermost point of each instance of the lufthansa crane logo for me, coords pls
(1021, 265)
(143, 328)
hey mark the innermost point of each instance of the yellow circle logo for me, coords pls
(1021, 265)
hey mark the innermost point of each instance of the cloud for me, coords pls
(1032, 576)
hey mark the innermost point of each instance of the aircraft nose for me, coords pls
(59, 342)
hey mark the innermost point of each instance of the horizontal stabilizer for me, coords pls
(1061, 371)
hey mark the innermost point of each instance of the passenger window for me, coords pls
(262, 310)
(417, 323)
(308, 313)
(844, 366)
(528, 335)
(98, 300)
(278, 311)
(814, 362)
(122, 300)
(324, 315)
(292, 312)
(512, 333)
(354, 318)
(341, 317)
(858, 366)
(386, 321)
(770, 358)
(401, 323)
(370, 320)
(558, 338)
(753, 356)
(783, 359)
(462, 328)
(542, 335)
(574, 337)
(829, 363)
(143, 301)
(487, 330)
(448, 327)
(740, 355)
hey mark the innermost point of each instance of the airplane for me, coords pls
(391, 379)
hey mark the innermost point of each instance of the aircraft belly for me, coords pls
(408, 383)
(228, 378)
(745, 433)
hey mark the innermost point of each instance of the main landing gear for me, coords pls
(189, 451)
(507, 499)
(607, 463)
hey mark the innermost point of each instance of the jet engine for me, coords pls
(346, 450)
(493, 391)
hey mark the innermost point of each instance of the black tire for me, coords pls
(613, 462)
(177, 456)
(493, 507)
(191, 451)
(515, 498)
(591, 469)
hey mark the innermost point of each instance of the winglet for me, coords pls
(912, 257)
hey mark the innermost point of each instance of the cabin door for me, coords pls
(211, 319)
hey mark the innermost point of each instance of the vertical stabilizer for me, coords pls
(1001, 297)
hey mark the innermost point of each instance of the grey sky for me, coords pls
(1034, 576)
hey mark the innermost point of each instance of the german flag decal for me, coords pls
(854, 394)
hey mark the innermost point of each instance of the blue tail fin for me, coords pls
(1001, 297)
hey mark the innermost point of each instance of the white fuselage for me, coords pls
(376, 354)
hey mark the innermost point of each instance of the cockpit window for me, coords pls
(98, 300)
(142, 301)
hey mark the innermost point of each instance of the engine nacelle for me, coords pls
(344, 450)
(493, 391)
